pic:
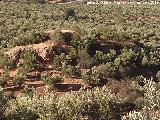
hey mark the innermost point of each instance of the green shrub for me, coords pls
(27, 90)
(32, 38)
(62, 37)
(127, 57)
(30, 61)
(22, 71)
(71, 38)
(109, 33)
(108, 70)
(32, 1)
(91, 105)
(150, 57)
(3, 102)
(3, 81)
(85, 60)
(40, 1)
(18, 80)
(56, 64)
(76, 41)
(4, 77)
(71, 70)
(150, 103)
(9, 95)
(93, 78)
(52, 81)
(91, 43)
(61, 61)
(22, 113)
(56, 35)
(66, 37)
(101, 57)
(6, 61)
(70, 13)
(86, 77)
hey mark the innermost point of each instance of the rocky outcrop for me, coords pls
(43, 50)
(46, 50)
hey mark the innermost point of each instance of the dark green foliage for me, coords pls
(52, 81)
(40, 1)
(66, 37)
(120, 108)
(60, 61)
(99, 75)
(22, 113)
(6, 61)
(32, 1)
(30, 61)
(3, 81)
(70, 59)
(71, 70)
(28, 91)
(3, 104)
(56, 36)
(76, 42)
(70, 13)
(69, 38)
(56, 64)
(108, 70)
(9, 96)
(93, 78)
(91, 43)
(4, 77)
(101, 57)
(85, 60)
(18, 80)
(22, 71)
(61, 37)
(151, 58)
(32, 38)
(127, 57)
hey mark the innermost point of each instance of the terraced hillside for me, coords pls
(79, 61)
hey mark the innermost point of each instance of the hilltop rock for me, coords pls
(43, 50)
(63, 36)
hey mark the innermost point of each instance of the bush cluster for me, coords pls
(3, 104)
(81, 105)
(6, 61)
(52, 81)
(30, 61)
(150, 103)
(18, 80)
(32, 38)
(116, 44)
(98, 103)
(4, 77)
(71, 70)
(3, 81)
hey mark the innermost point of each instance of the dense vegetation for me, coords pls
(110, 45)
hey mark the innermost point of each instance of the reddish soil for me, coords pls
(33, 79)
(69, 84)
